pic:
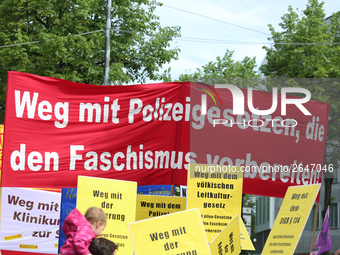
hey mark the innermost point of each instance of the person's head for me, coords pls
(97, 219)
(102, 246)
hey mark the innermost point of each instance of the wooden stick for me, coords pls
(314, 227)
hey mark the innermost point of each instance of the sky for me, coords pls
(244, 21)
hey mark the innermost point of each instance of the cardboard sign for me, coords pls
(246, 243)
(227, 242)
(29, 220)
(117, 199)
(291, 219)
(153, 206)
(217, 191)
(176, 233)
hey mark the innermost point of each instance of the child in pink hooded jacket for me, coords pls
(80, 230)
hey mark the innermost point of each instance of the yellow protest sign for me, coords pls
(117, 199)
(217, 191)
(246, 243)
(228, 240)
(291, 219)
(153, 206)
(176, 233)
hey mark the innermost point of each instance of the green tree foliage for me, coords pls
(306, 47)
(222, 68)
(139, 45)
(309, 48)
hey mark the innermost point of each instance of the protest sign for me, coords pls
(166, 130)
(291, 219)
(278, 140)
(117, 199)
(116, 132)
(176, 233)
(228, 240)
(68, 203)
(246, 243)
(153, 206)
(156, 190)
(217, 191)
(29, 220)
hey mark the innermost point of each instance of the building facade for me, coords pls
(267, 209)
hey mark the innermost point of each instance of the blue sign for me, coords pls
(155, 190)
(68, 203)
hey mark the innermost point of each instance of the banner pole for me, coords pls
(172, 189)
(314, 227)
(107, 43)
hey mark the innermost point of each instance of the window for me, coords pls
(312, 217)
(336, 175)
(257, 215)
(334, 215)
(267, 208)
(262, 210)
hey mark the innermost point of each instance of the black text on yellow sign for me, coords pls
(176, 233)
(291, 219)
(153, 206)
(168, 245)
(217, 191)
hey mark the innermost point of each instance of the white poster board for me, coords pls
(30, 220)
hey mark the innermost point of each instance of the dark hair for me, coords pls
(102, 246)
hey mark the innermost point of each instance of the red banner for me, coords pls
(279, 140)
(56, 130)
